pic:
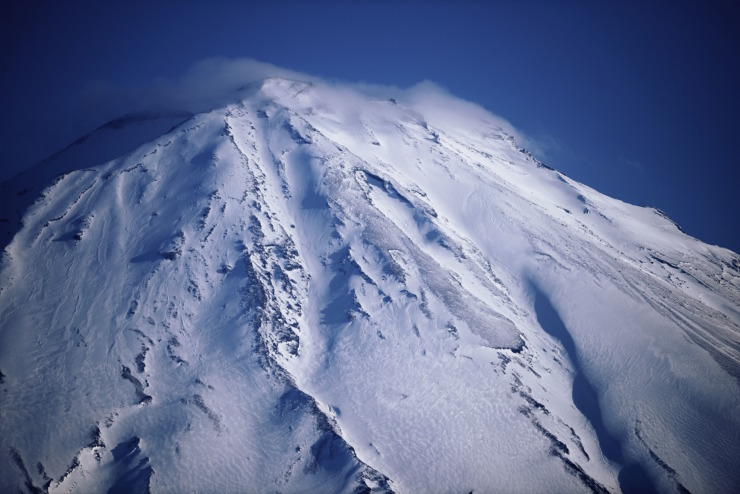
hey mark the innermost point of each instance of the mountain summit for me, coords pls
(330, 289)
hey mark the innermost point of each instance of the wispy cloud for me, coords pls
(632, 164)
(207, 83)
(544, 146)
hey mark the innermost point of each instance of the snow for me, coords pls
(318, 288)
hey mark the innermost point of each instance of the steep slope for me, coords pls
(316, 290)
(109, 141)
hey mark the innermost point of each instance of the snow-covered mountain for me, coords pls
(319, 289)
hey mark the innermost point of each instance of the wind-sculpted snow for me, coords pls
(312, 290)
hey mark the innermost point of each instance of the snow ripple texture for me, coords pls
(315, 290)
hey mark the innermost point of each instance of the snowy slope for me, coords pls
(317, 289)
(107, 142)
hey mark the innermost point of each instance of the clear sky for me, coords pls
(636, 99)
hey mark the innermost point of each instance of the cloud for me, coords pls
(49, 121)
(439, 104)
(207, 84)
(544, 146)
(634, 165)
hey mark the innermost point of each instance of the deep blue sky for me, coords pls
(638, 100)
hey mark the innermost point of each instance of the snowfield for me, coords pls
(325, 289)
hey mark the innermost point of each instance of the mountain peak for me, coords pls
(330, 288)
